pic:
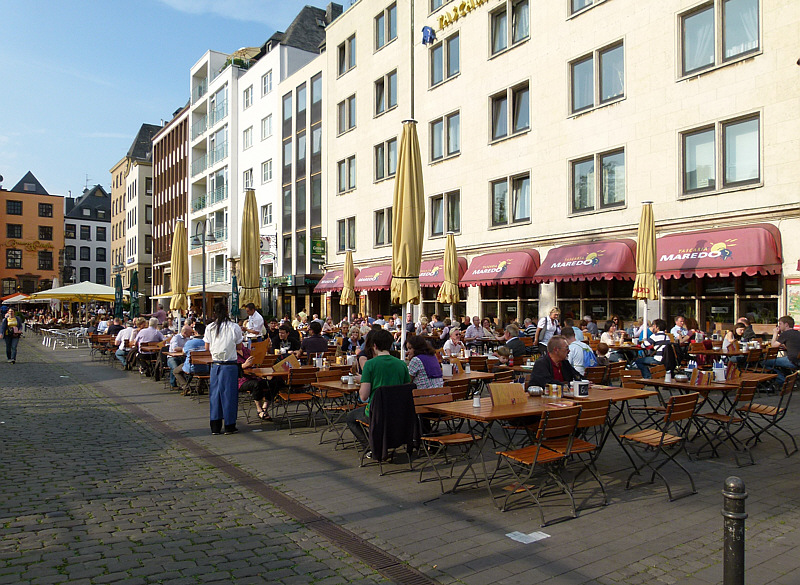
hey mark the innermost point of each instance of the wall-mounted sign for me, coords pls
(318, 250)
(451, 15)
(269, 248)
(29, 246)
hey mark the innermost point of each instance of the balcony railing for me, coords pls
(220, 235)
(212, 277)
(199, 127)
(218, 113)
(218, 154)
(199, 164)
(199, 90)
(199, 203)
(216, 195)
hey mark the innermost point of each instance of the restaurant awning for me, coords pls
(331, 281)
(375, 278)
(431, 272)
(753, 249)
(604, 260)
(513, 267)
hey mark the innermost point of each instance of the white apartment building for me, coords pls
(87, 222)
(543, 128)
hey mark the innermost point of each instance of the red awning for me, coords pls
(602, 260)
(431, 272)
(753, 249)
(331, 282)
(374, 278)
(515, 267)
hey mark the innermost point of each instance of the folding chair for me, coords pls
(763, 417)
(334, 405)
(615, 370)
(392, 424)
(504, 376)
(196, 382)
(596, 374)
(478, 363)
(753, 359)
(723, 423)
(668, 441)
(297, 392)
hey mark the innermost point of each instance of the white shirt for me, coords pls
(255, 322)
(177, 341)
(222, 343)
(124, 335)
(549, 328)
(451, 348)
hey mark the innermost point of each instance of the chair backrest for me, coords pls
(596, 374)
(393, 419)
(527, 341)
(771, 353)
(194, 355)
(657, 371)
(788, 385)
(593, 343)
(504, 376)
(746, 392)
(559, 422)
(696, 346)
(302, 376)
(593, 413)
(754, 356)
(341, 369)
(634, 385)
(458, 388)
(426, 396)
(327, 375)
(629, 375)
(505, 393)
(258, 351)
(615, 370)
(680, 407)
(478, 362)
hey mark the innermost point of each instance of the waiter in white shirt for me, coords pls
(223, 339)
(255, 322)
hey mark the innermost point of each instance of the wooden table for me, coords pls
(718, 352)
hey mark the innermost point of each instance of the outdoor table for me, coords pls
(478, 379)
(718, 352)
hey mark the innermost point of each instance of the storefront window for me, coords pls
(598, 298)
(507, 302)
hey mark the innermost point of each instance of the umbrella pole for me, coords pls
(403, 333)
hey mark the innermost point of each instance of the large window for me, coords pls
(45, 232)
(247, 98)
(86, 253)
(445, 213)
(266, 171)
(383, 227)
(13, 207)
(45, 210)
(14, 230)
(85, 274)
(347, 55)
(86, 232)
(385, 159)
(386, 26)
(100, 254)
(13, 258)
(738, 142)
(266, 127)
(346, 170)
(100, 232)
(445, 136)
(511, 200)
(69, 231)
(598, 78)
(386, 93)
(590, 190)
(247, 179)
(508, 121)
(717, 32)
(266, 214)
(598, 298)
(503, 35)
(346, 113)
(445, 60)
(100, 276)
(578, 5)
(346, 234)
(247, 138)
(9, 286)
(506, 302)
(266, 83)
(69, 253)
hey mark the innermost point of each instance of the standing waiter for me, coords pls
(255, 322)
(223, 338)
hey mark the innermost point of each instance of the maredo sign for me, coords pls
(718, 250)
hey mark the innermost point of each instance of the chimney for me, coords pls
(332, 12)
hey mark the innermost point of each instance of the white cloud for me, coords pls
(274, 13)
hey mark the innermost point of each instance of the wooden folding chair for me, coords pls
(478, 363)
(504, 376)
(297, 393)
(668, 441)
(197, 382)
(615, 370)
(335, 405)
(763, 417)
(718, 427)
(596, 374)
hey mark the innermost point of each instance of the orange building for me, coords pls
(32, 221)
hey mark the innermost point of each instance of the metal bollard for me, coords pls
(734, 514)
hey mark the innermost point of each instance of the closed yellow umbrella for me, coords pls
(448, 292)
(179, 265)
(250, 252)
(646, 286)
(348, 282)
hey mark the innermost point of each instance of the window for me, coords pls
(9, 286)
(85, 274)
(347, 174)
(247, 179)
(247, 138)
(14, 230)
(347, 55)
(266, 214)
(45, 210)
(86, 253)
(86, 233)
(247, 98)
(445, 211)
(346, 114)
(100, 254)
(148, 214)
(609, 185)
(516, 118)
(69, 253)
(504, 36)
(13, 258)
(301, 99)
(445, 60)
(148, 275)
(266, 171)
(69, 231)
(266, 83)
(45, 232)
(101, 275)
(383, 227)
(385, 159)
(101, 214)
(87, 212)
(718, 32)
(437, 4)
(445, 136)
(386, 93)
(598, 78)
(578, 5)
(516, 208)
(737, 140)
(287, 110)
(13, 207)
(386, 26)
(346, 229)
(316, 140)
(100, 233)
(266, 127)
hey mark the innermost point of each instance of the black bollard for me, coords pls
(734, 514)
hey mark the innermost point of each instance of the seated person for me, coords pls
(196, 343)
(749, 334)
(787, 338)
(529, 328)
(577, 330)
(514, 344)
(259, 388)
(314, 345)
(602, 354)
(176, 344)
(353, 340)
(680, 332)
(424, 367)
(608, 339)
(577, 350)
(654, 347)
(553, 367)
(286, 341)
(503, 355)
(731, 342)
(454, 345)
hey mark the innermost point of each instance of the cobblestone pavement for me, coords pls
(112, 459)
(90, 495)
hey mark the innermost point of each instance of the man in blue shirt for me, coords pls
(196, 343)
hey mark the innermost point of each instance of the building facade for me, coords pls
(87, 222)
(33, 224)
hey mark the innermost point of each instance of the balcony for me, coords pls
(212, 277)
(216, 195)
(199, 164)
(220, 235)
(218, 113)
(200, 90)
(199, 127)
(216, 155)
(199, 203)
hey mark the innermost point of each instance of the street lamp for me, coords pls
(200, 238)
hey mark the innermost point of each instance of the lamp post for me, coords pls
(201, 237)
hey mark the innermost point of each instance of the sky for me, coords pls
(78, 78)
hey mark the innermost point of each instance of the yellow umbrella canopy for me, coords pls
(408, 215)
(250, 252)
(646, 286)
(179, 265)
(349, 281)
(448, 292)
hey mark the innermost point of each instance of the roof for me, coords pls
(142, 147)
(29, 184)
(94, 200)
(307, 30)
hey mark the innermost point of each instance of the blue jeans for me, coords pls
(643, 364)
(11, 346)
(173, 363)
(777, 364)
(122, 356)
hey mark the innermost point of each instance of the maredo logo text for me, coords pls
(718, 250)
(591, 259)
